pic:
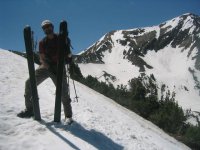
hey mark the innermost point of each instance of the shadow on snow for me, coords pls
(93, 137)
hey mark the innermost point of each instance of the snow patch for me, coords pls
(188, 23)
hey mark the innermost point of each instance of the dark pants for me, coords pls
(41, 74)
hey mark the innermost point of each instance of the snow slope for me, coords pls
(100, 123)
(171, 67)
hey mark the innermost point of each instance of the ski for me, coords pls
(63, 47)
(28, 39)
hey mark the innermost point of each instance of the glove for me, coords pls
(68, 60)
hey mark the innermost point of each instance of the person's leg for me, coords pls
(40, 74)
(65, 95)
(66, 98)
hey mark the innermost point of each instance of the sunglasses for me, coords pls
(47, 26)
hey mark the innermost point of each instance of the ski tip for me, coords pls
(63, 27)
(63, 21)
(27, 27)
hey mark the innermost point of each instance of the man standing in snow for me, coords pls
(48, 52)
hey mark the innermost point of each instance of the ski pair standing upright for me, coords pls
(63, 46)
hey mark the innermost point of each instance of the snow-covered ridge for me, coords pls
(100, 123)
(187, 19)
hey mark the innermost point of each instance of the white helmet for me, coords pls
(46, 22)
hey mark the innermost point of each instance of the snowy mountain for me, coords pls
(170, 51)
(100, 123)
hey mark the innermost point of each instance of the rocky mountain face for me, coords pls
(182, 32)
(170, 51)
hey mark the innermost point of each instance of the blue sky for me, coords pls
(88, 20)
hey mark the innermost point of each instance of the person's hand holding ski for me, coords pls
(43, 62)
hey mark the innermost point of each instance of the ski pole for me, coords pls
(76, 97)
(68, 81)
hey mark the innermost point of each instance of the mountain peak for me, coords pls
(190, 14)
(188, 18)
